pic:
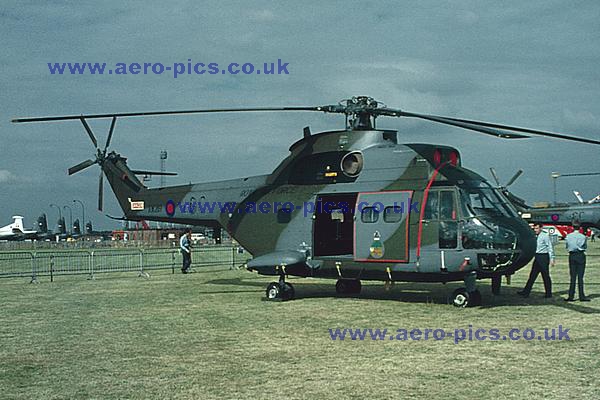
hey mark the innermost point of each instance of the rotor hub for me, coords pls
(360, 113)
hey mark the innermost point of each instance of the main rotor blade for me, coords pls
(448, 121)
(495, 176)
(151, 113)
(110, 132)
(80, 166)
(582, 174)
(89, 131)
(514, 178)
(100, 190)
(527, 130)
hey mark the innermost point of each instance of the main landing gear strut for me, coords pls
(468, 296)
(280, 290)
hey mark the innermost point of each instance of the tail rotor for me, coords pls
(100, 157)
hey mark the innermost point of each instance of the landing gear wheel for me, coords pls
(475, 298)
(280, 291)
(461, 298)
(496, 283)
(348, 286)
(273, 291)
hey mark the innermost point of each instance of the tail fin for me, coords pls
(122, 180)
(18, 223)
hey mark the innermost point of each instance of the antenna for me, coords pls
(163, 168)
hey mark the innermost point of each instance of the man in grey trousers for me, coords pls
(576, 246)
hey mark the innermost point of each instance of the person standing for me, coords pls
(544, 257)
(185, 245)
(576, 246)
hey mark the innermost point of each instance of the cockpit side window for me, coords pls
(431, 208)
(447, 205)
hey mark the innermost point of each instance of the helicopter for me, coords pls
(355, 204)
(586, 213)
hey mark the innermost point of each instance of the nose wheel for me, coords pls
(280, 291)
(462, 298)
(467, 296)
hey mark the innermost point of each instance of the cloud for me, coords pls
(262, 15)
(581, 120)
(7, 176)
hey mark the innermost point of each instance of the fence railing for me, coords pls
(96, 245)
(35, 264)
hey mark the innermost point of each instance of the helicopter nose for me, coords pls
(526, 243)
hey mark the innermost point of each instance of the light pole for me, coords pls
(70, 217)
(82, 215)
(555, 176)
(59, 215)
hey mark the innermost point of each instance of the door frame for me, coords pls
(357, 215)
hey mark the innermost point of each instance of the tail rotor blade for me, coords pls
(514, 178)
(110, 132)
(100, 190)
(495, 176)
(82, 165)
(89, 131)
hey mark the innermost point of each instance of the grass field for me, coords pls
(210, 335)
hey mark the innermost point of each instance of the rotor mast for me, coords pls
(358, 113)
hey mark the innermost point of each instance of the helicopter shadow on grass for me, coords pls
(538, 299)
(324, 290)
(413, 293)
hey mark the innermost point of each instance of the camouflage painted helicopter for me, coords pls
(586, 213)
(462, 228)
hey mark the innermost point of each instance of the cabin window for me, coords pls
(369, 215)
(392, 214)
(337, 215)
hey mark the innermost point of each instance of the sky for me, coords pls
(532, 64)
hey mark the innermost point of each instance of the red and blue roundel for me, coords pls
(170, 208)
(554, 217)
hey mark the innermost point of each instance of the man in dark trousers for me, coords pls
(576, 245)
(185, 245)
(544, 256)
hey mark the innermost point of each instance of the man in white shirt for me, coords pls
(544, 257)
(576, 243)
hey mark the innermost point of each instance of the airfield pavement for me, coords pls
(211, 335)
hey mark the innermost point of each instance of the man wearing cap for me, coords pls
(576, 246)
(544, 257)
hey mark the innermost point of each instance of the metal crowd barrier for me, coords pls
(34, 264)
(17, 264)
